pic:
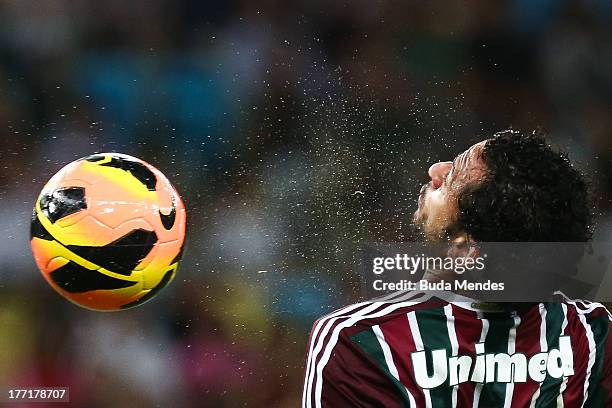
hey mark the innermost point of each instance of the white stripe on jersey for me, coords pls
(564, 382)
(511, 350)
(380, 336)
(543, 348)
(483, 337)
(418, 344)
(452, 335)
(592, 351)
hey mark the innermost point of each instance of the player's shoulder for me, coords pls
(587, 323)
(363, 315)
(375, 309)
(583, 308)
(333, 354)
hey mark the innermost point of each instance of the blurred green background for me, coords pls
(293, 130)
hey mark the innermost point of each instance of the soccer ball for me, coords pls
(108, 231)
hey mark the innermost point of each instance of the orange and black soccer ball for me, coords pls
(108, 231)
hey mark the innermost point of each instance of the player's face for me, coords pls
(438, 202)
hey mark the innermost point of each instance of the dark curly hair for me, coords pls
(531, 193)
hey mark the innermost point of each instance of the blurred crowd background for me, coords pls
(294, 130)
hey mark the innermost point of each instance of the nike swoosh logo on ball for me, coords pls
(168, 219)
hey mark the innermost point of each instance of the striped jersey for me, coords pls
(428, 350)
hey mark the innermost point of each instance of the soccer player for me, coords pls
(424, 351)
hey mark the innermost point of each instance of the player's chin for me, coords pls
(416, 218)
(420, 215)
(419, 220)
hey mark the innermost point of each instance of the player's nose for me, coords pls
(438, 173)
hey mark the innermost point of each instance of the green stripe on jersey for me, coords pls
(434, 333)
(367, 341)
(494, 394)
(549, 390)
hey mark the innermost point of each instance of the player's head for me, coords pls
(512, 187)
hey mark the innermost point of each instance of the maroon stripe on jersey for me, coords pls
(468, 328)
(399, 338)
(528, 335)
(352, 378)
(574, 392)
